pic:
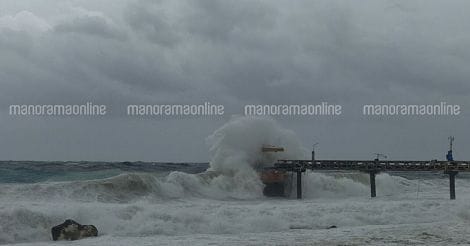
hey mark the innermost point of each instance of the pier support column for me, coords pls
(452, 175)
(372, 174)
(299, 184)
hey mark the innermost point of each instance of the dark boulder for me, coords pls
(71, 230)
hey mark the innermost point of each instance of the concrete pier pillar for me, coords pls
(452, 175)
(299, 184)
(373, 192)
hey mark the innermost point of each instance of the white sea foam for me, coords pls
(30, 221)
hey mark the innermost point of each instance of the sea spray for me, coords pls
(236, 151)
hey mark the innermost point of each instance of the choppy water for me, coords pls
(42, 171)
(164, 200)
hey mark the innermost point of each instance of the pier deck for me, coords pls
(452, 168)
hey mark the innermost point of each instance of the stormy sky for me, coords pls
(232, 52)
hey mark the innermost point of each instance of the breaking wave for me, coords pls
(136, 205)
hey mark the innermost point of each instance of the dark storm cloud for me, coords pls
(236, 52)
(150, 21)
(90, 23)
(223, 21)
(248, 48)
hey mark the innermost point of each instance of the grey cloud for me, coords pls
(24, 21)
(92, 24)
(237, 52)
(151, 22)
(224, 21)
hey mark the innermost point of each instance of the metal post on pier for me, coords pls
(313, 151)
(299, 184)
(452, 175)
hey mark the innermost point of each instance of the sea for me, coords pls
(151, 203)
(222, 203)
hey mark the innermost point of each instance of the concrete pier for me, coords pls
(373, 167)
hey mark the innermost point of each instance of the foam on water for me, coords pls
(342, 184)
(30, 221)
(136, 205)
